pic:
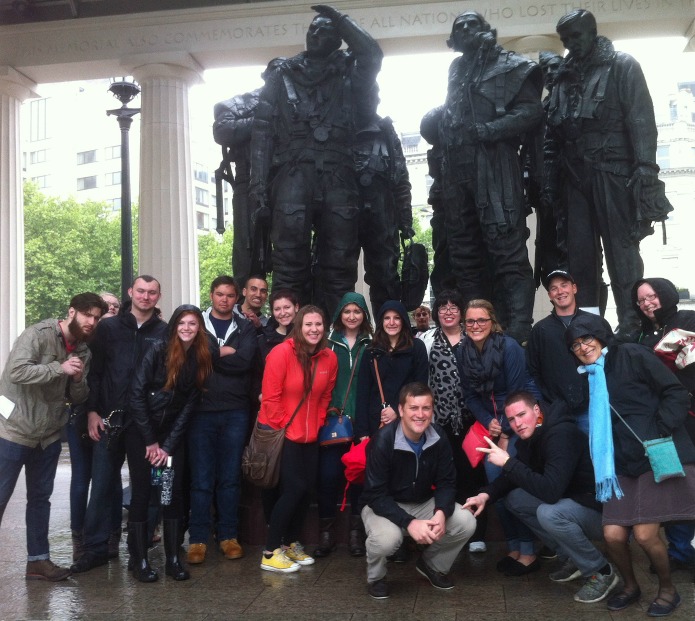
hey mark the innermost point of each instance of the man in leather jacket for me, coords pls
(118, 345)
(600, 165)
(493, 102)
(302, 167)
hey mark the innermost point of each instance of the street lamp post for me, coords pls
(125, 91)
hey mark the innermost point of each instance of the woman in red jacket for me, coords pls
(299, 377)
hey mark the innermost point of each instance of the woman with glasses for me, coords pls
(493, 365)
(450, 410)
(665, 329)
(628, 380)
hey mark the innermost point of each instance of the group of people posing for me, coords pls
(564, 422)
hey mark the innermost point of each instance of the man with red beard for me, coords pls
(45, 374)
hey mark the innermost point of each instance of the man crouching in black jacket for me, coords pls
(550, 487)
(410, 484)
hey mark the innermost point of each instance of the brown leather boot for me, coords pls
(326, 538)
(77, 548)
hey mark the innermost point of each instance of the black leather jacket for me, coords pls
(162, 415)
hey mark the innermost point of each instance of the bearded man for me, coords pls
(45, 374)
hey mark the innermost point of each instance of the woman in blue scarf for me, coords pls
(629, 379)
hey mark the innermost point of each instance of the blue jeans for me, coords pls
(106, 478)
(40, 466)
(215, 445)
(565, 526)
(81, 475)
(518, 536)
(680, 536)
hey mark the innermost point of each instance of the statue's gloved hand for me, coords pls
(481, 132)
(260, 213)
(327, 11)
(407, 232)
(640, 173)
(486, 39)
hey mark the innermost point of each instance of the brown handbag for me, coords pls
(260, 462)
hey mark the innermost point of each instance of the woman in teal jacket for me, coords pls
(350, 334)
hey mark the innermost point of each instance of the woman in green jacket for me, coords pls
(350, 334)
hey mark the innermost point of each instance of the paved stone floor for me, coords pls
(333, 589)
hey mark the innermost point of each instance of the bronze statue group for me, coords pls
(561, 409)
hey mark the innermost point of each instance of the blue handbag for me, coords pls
(337, 429)
(662, 455)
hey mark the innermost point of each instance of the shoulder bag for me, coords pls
(260, 462)
(662, 455)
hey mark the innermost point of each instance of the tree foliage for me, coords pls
(70, 248)
(215, 259)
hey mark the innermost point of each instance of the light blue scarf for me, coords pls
(601, 432)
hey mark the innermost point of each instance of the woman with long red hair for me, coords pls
(166, 385)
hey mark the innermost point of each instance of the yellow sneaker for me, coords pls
(279, 563)
(196, 553)
(296, 553)
(231, 548)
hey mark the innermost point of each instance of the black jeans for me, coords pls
(298, 469)
(141, 478)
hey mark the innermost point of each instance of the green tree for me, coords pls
(214, 259)
(70, 247)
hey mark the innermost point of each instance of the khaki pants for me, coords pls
(384, 538)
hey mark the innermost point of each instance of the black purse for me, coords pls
(114, 424)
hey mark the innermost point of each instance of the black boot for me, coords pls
(114, 543)
(174, 567)
(357, 536)
(326, 538)
(138, 544)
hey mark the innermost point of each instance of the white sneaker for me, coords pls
(477, 547)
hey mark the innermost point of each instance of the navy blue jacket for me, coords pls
(395, 474)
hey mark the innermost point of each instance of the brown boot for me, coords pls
(46, 570)
(326, 538)
(357, 537)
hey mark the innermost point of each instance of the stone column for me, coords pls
(14, 88)
(168, 245)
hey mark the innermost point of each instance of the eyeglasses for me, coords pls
(480, 322)
(647, 298)
(585, 340)
(448, 310)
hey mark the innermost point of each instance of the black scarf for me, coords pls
(481, 368)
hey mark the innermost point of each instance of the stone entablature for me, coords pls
(253, 33)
